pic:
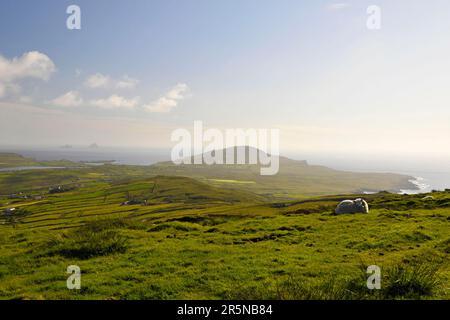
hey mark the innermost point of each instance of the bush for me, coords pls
(89, 241)
(14, 218)
(112, 224)
(401, 281)
(411, 282)
(178, 226)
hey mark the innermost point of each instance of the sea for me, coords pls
(428, 172)
(427, 175)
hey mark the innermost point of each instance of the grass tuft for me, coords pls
(96, 239)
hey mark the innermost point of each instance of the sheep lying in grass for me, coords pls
(352, 206)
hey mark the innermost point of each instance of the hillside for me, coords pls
(12, 160)
(193, 241)
(295, 179)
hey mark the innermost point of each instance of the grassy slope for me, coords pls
(296, 179)
(14, 160)
(197, 241)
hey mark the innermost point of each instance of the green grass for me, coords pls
(194, 240)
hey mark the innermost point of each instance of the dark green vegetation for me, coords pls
(138, 234)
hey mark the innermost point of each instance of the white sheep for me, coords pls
(352, 206)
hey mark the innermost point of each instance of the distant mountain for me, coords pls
(295, 179)
(238, 150)
(93, 146)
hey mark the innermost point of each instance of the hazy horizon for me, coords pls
(341, 161)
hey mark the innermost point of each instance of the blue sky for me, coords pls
(310, 68)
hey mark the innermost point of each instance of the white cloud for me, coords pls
(169, 101)
(115, 101)
(31, 64)
(97, 80)
(338, 6)
(69, 99)
(177, 92)
(162, 105)
(127, 83)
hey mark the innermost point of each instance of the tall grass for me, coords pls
(411, 282)
(401, 281)
(95, 239)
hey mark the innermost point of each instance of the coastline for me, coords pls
(420, 184)
(411, 182)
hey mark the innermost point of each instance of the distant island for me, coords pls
(93, 146)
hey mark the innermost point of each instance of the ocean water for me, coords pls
(428, 181)
(429, 172)
(428, 175)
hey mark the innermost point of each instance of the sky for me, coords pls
(137, 70)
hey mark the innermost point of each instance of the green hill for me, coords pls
(295, 179)
(12, 160)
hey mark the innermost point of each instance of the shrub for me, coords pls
(112, 224)
(400, 281)
(444, 246)
(417, 236)
(411, 282)
(89, 241)
(179, 226)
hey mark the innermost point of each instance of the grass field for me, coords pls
(183, 238)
